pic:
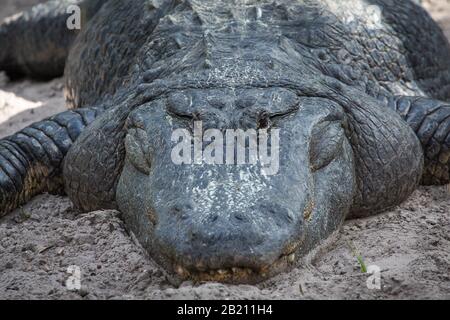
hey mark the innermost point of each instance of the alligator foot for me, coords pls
(31, 160)
(430, 119)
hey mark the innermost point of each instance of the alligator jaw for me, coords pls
(238, 275)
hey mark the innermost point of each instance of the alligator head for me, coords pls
(232, 222)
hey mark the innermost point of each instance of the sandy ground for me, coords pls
(38, 243)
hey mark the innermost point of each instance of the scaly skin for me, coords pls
(36, 43)
(357, 98)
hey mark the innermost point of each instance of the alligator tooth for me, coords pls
(235, 270)
(180, 270)
(221, 271)
(291, 257)
(200, 267)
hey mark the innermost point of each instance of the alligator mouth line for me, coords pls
(241, 275)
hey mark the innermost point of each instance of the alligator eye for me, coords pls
(138, 150)
(326, 144)
(263, 120)
(267, 119)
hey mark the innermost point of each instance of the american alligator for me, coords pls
(357, 90)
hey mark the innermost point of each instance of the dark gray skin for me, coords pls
(359, 105)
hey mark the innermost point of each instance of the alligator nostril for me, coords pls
(213, 218)
(193, 235)
(279, 214)
(176, 209)
(181, 211)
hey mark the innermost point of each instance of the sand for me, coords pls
(39, 242)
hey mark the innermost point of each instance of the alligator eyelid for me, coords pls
(282, 114)
(265, 119)
(183, 116)
(279, 115)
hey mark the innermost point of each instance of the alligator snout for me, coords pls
(213, 244)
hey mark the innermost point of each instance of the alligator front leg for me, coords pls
(31, 160)
(430, 119)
